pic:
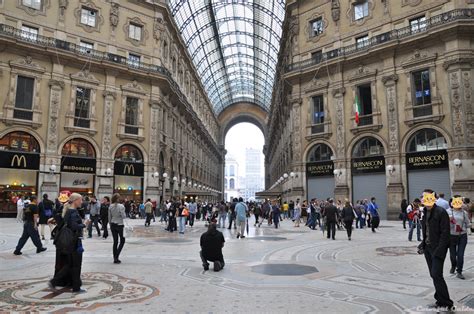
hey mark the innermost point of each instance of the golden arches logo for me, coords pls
(18, 159)
(129, 169)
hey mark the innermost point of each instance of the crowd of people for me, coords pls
(440, 225)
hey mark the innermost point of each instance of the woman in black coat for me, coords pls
(348, 217)
(69, 264)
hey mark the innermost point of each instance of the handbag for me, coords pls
(65, 239)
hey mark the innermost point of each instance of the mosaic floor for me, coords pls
(286, 270)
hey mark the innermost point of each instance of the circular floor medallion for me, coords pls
(284, 269)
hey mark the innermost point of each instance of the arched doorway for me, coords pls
(19, 166)
(78, 167)
(368, 173)
(129, 172)
(427, 163)
(320, 180)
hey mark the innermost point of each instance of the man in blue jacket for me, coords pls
(374, 214)
(241, 210)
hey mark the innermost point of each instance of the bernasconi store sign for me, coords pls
(427, 160)
(368, 164)
(319, 169)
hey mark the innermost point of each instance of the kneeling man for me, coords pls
(212, 242)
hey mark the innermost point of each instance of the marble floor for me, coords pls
(286, 270)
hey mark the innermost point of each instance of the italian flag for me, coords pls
(357, 109)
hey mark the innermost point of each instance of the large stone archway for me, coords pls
(242, 112)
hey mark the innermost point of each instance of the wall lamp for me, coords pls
(457, 162)
(52, 169)
(337, 172)
(155, 174)
(165, 175)
(391, 169)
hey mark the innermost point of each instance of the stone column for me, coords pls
(460, 75)
(395, 190)
(299, 187)
(152, 187)
(341, 191)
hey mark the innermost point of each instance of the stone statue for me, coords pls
(335, 10)
(158, 28)
(114, 15)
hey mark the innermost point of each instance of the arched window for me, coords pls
(425, 140)
(368, 146)
(19, 142)
(232, 170)
(78, 147)
(320, 152)
(129, 153)
(231, 184)
(225, 183)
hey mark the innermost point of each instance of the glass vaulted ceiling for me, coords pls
(234, 45)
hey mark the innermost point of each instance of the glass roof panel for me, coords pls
(234, 46)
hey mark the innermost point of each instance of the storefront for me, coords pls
(78, 167)
(19, 166)
(427, 164)
(320, 180)
(368, 173)
(129, 171)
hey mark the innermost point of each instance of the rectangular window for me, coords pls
(418, 24)
(86, 47)
(29, 33)
(361, 10)
(364, 93)
(24, 93)
(422, 90)
(88, 17)
(318, 109)
(316, 27)
(134, 60)
(34, 4)
(81, 112)
(362, 42)
(135, 31)
(317, 56)
(131, 115)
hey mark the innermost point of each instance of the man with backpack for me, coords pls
(30, 228)
(45, 209)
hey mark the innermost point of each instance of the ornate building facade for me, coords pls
(100, 96)
(373, 98)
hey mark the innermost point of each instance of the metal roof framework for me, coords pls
(234, 46)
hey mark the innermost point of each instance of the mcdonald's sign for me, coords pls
(134, 169)
(19, 160)
(78, 165)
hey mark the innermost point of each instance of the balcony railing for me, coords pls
(317, 128)
(82, 122)
(366, 120)
(23, 114)
(422, 111)
(131, 129)
(396, 34)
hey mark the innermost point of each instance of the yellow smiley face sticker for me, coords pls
(457, 202)
(429, 199)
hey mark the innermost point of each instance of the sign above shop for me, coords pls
(78, 165)
(319, 169)
(19, 160)
(123, 168)
(427, 160)
(368, 164)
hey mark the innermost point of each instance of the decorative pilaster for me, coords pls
(390, 83)
(154, 129)
(109, 100)
(56, 91)
(338, 95)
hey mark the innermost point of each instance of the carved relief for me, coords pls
(411, 3)
(335, 10)
(456, 107)
(114, 15)
(362, 72)
(154, 131)
(468, 116)
(54, 105)
(296, 130)
(109, 99)
(340, 134)
(391, 97)
(419, 56)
